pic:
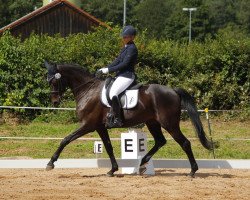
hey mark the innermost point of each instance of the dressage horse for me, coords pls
(158, 107)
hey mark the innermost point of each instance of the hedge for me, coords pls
(216, 72)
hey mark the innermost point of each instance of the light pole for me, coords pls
(124, 12)
(190, 19)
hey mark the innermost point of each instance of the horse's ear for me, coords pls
(47, 65)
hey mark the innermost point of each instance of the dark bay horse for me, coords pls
(158, 107)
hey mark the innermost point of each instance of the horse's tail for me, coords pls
(188, 103)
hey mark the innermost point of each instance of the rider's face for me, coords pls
(127, 39)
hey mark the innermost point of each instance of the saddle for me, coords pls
(128, 98)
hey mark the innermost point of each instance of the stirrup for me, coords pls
(113, 122)
(109, 120)
(118, 122)
(110, 117)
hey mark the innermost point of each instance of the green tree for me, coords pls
(243, 15)
(162, 18)
(110, 10)
(221, 13)
(152, 15)
(15, 9)
(18, 8)
(4, 13)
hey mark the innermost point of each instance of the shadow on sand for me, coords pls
(172, 173)
(162, 172)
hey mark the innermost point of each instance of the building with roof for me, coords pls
(58, 16)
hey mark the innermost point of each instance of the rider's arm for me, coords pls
(115, 62)
(130, 56)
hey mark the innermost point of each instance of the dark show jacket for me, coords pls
(125, 63)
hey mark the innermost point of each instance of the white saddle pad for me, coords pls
(130, 98)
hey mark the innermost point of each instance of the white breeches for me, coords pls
(120, 84)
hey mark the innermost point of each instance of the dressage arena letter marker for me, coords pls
(134, 146)
(141, 145)
(128, 145)
(98, 147)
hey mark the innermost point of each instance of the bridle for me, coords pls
(58, 76)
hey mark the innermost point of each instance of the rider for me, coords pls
(123, 65)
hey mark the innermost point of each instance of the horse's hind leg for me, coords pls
(103, 133)
(155, 129)
(185, 144)
(73, 136)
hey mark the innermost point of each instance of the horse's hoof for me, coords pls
(191, 175)
(142, 169)
(110, 174)
(50, 167)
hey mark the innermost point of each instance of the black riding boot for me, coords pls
(114, 118)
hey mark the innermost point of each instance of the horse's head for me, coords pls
(56, 82)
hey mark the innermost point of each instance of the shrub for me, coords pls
(216, 72)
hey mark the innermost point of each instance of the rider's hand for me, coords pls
(104, 70)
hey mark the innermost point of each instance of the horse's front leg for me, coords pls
(102, 131)
(73, 136)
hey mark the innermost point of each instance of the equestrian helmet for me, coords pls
(128, 31)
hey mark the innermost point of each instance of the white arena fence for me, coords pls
(96, 139)
(113, 139)
(105, 163)
(51, 108)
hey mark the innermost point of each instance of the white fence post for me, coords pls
(134, 146)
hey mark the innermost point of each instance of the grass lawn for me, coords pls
(222, 131)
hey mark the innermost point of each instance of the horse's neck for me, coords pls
(80, 85)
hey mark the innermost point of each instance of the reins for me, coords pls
(84, 84)
(82, 94)
(59, 82)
